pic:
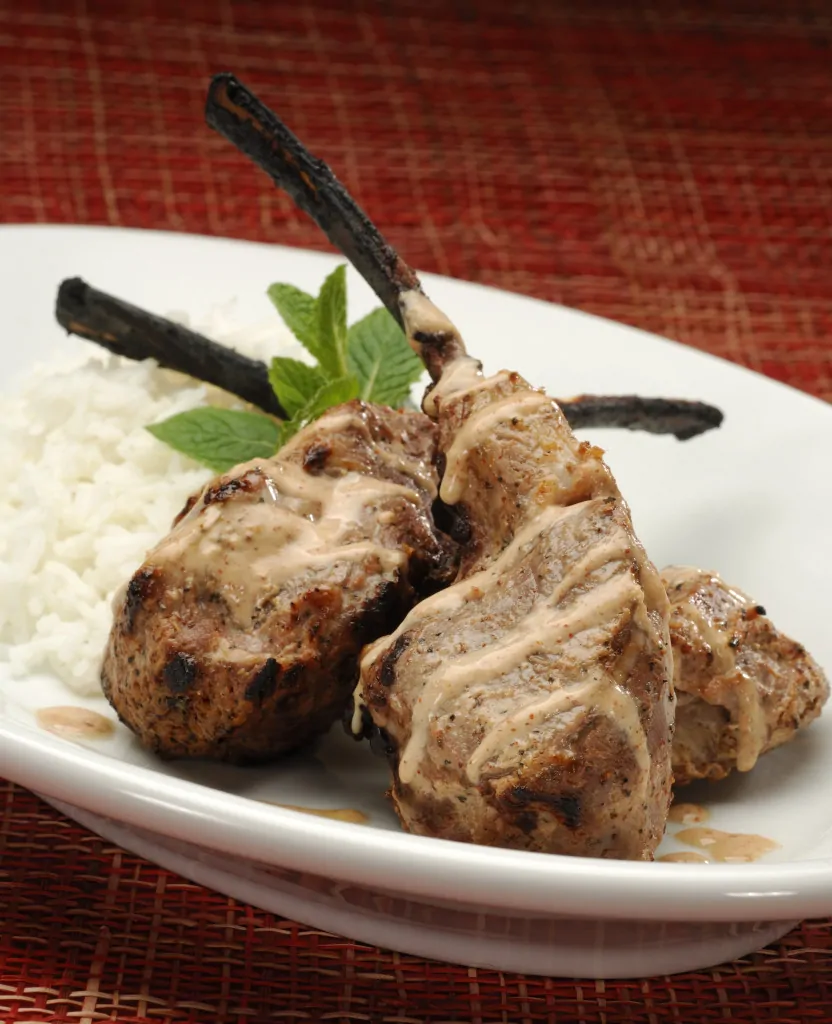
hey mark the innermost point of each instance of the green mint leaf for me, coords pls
(334, 392)
(299, 311)
(219, 438)
(381, 358)
(342, 389)
(294, 383)
(332, 324)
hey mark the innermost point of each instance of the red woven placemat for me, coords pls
(666, 165)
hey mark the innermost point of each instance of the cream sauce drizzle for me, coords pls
(715, 638)
(74, 723)
(471, 434)
(727, 847)
(421, 315)
(599, 695)
(688, 814)
(418, 470)
(461, 376)
(518, 727)
(313, 527)
(454, 597)
(752, 728)
(475, 586)
(674, 575)
(480, 583)
(544, 629)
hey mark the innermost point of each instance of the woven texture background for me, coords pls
(668, 165)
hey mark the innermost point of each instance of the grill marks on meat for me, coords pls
(743, 686)
(529, 705)
(238, 638)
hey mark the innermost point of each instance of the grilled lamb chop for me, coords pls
(530, 704)
(239, 637)
(743, 687)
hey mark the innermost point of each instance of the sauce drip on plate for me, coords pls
(75, 723)
(688, 814)
(728, 847)
(683, 858)
(350, 814)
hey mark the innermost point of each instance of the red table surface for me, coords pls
(668, 165)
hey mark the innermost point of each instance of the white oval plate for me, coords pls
(751, 500)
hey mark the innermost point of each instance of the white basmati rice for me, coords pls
(87, 491)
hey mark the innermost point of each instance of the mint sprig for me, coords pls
(370, 360)
(332, 324)
(219, 438)
(295, 383)
(334, 392)
(299, 311)
(381, 359)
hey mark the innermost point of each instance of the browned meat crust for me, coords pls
(743, 687)
(238, 638)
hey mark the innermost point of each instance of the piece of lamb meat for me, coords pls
(238, 638)
(743, 687)
(530, 704)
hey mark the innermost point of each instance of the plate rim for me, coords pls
(424, 939)
(437, 868)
